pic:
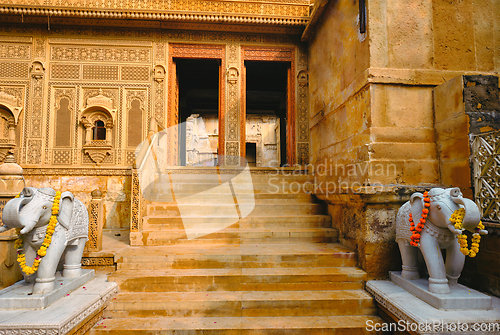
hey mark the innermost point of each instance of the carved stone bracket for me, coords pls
(97, 150)
(37, 70)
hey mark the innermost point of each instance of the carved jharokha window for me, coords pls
(98, 121)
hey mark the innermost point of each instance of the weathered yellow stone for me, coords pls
(453, 28)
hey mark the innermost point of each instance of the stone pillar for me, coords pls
(11, 183)
(96, 222)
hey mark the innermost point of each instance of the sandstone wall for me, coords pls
(115, 189)
(372, 108)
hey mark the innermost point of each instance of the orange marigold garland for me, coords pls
(415, 237)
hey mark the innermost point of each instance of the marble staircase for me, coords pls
(278, 270)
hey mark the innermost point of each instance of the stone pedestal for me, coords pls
(19, 295)
(74, 312)
(461, 297)
(407, 313)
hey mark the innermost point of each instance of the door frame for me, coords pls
(198, 51)
(276, 54)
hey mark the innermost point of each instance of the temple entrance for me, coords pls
(266, 112)
(198, 104)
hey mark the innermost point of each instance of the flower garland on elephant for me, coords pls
(42, 251)
(456, 218)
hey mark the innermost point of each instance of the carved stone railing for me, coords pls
(486, 174)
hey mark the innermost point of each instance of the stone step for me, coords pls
(246, 279)
(310, 325)
(153, 222)
(227, 198)
(235, 256)
(246, 304)
(223, 177)
(233, 236)
(270, 186)
(224, 210)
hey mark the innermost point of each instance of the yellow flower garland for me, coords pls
(457, 218)
(42, 251)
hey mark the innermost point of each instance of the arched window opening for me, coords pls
(99, 131)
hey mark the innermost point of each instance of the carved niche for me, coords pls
(98, 119)
(10, 108)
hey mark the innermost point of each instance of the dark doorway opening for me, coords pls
(251, 153)
(198, 95)
(266, 94)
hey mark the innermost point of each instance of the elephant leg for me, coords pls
(30, 255)
(73, 259)
(409, 258)
(454, 263)
(45, 277)
(435, 264)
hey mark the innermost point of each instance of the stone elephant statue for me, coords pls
(31, 213)
(436, 209)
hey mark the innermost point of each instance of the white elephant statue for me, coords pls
(434, 210)
(31, 213)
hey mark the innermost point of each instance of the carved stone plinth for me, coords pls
(461, 297)
(406, 312)
(74, 312)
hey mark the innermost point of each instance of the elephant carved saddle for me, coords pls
(78, 227)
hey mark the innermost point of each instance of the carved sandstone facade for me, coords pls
(79, 87)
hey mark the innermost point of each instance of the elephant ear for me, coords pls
(417, 204)
(65, 209)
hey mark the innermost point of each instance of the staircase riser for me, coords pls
(170, 224)
(153, 241)
(231, 265)
(223, 311)
(169, 211)
(346, 330)
(237, 283)
(260, 198)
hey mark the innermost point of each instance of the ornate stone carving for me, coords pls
(37, 70)
(100, 54)
(12, 102)
(159, 73)
(15, 51)
(135, 73)
(14, 70)
(101, 100)
(60, 71)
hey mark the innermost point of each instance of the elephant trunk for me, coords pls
(472, 215)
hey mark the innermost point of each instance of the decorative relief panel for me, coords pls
(260, 7)
(34, 154)
(100, 72)
(303, 153)
(15, 51)
(62, 157)
(59, 71)
(135, 73)
(14, 70)
(232, 153)
(39, 48)
(100, 54)
(486, 169)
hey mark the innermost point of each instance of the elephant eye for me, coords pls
(44, 207)
(438, 207)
